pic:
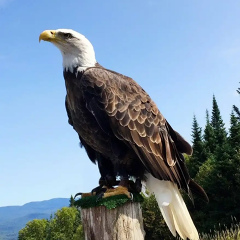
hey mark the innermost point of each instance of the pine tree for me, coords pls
(218, 125)
(196, 132)
(209, 139)
(237, 111)
(71, 201)
(221, 147)
(235, 108)
(197, 157)
(219, 175)
(234, 133)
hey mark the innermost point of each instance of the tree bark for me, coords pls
(122, 223)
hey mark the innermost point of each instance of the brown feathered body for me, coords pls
(121, 127)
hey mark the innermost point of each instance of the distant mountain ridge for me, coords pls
(14, 218)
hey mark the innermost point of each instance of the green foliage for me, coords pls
(198, 156)
(235, 108)
(216, 129)
(71, 201)
(234, 133)
(65, 225)
(34, 230)
(110, 202)
(196, 132)
(236, 111)
(217, 123)
(209, 138)
(219, 173)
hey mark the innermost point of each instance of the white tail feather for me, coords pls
(172, 207)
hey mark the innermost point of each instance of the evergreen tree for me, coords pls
(221, 148)
(218, 125)
(71, 201)
(196, 132)
(237, 112)
(219, 175)
(198, 155)
(235, 108)
(238, 90)
(209, 139)
(234, 133)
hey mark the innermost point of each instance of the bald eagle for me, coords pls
(122, 130)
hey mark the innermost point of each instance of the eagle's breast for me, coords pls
(82, 119)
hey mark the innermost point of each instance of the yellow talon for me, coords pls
(117, 191)
(88, 194)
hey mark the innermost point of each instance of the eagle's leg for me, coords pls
(107, 180)
(105, 183)
(121, 189)
(123, 186)
(127, 187)
(135, 187)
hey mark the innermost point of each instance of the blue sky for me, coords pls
(181, 53)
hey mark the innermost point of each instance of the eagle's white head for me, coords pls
(76, 49)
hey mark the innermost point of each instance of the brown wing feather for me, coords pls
(135, 118)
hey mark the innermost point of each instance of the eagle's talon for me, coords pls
(99, 196)
(135, 187)
(120, 190)
(96, 190)
(131, 196)
(77, 194)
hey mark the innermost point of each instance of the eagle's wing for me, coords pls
(90, 152)
(121, 106)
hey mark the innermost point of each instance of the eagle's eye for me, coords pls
(68, 35)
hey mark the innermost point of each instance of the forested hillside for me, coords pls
(13, 218)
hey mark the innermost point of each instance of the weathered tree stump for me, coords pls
(110, 221)
(121, 223)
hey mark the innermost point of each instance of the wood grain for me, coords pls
(122, 223)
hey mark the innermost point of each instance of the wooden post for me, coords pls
(121, 223)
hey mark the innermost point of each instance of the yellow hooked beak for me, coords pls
(48, 35)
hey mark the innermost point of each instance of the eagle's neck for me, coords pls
(80, 58)
(77, 72)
